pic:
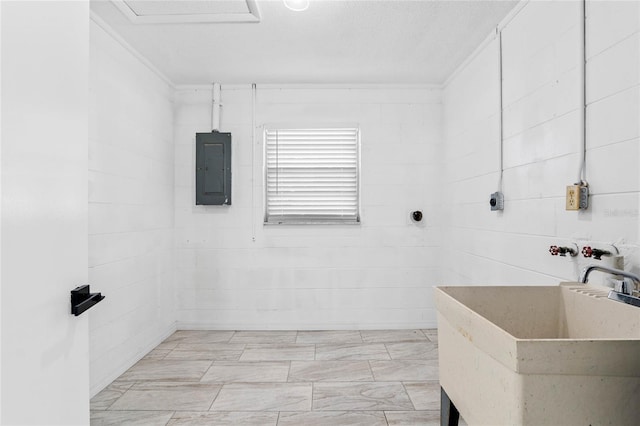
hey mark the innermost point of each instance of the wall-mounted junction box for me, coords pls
(577, 197)
(213, 168)
(496, 201)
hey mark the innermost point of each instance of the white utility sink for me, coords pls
(553, 355)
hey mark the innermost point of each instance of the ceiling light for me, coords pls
(297, 5)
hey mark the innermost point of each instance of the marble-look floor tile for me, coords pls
(264, 352)
(184, 352)
(413, 350)
(222, 418)
(269, 337)
(200, 336)
(432, 334)
(210, 347)
(157, 354)
(166, 345)
(424, 395)
(365, 351)
(167, 396)
(215, 355)
(329, 336)
(263, 372)
(391, 336)
(166, 370)
(275, 378)
(109, 395)
(332, 418)
(330, 371)
(264, 397)
(130, 418)
(404, 370)
(413, 418)
(360, 396)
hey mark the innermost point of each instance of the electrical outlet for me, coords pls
(572, 197)
(577, 197)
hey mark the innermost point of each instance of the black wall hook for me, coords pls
(81, 299)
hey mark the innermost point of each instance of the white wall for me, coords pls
(45, 362)
(376, 275)
(234, 273)
(131, 247)
(542, 145)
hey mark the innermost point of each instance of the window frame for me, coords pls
(294, 222)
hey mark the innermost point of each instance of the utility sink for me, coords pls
(552, 355)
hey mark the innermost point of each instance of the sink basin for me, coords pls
(541, 355)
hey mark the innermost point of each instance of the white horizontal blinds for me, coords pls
(312, 175)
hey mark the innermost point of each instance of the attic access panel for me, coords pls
(183, 12)
(213, 169)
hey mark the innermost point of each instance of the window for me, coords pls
(311, 175)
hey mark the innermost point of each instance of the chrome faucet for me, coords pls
(623, 294)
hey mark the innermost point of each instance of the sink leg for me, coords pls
(449, 415)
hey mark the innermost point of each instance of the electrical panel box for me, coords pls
(213, 168)
(577, 197)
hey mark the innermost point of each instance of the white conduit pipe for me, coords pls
(253, 165)
(215, 110)
(582, 179)
(499, 31)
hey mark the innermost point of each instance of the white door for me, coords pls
(44, 95)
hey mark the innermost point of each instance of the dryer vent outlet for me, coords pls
(496, 201)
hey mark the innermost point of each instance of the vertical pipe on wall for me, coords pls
(582, 174)
(253, 165)
(499, 31)
(0, 213)
(215, 110)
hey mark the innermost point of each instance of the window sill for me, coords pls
(312, 223)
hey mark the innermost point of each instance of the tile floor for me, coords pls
(387, 377)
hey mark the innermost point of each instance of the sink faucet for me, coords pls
(584, 276)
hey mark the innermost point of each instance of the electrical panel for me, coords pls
(213, 168)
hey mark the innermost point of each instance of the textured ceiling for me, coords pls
(349, 41)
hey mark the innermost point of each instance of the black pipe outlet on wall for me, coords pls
(416, 216)
(82, 299)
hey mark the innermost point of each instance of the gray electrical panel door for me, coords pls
(213, 168)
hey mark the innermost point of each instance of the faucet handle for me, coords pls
(562, 251)
(596, 253)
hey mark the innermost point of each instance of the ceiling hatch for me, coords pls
(188, 11)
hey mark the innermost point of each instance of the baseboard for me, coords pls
(95, 388)
(184, 325)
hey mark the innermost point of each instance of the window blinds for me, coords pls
(311, 175)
